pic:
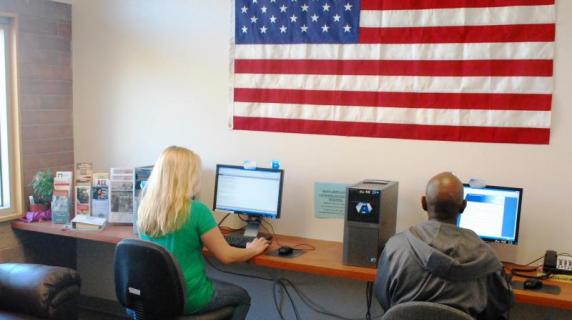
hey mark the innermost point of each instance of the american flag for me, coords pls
(471, 70)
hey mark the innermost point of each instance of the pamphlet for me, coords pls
(100, 201)
(100, 179)
(61, 197)
(83, 173)
(82, 200)
(100, 195)
(121, 196)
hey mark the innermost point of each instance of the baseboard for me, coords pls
(106, 306)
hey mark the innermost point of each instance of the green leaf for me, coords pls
(43, 186)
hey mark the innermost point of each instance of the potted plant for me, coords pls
(43, 187)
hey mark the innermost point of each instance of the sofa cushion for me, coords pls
(39, 290)
(4, 315)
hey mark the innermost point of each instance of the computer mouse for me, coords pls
(285, 251)
(532, 284)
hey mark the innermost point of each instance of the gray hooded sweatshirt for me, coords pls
(440, 262)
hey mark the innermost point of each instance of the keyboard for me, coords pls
(239, 240)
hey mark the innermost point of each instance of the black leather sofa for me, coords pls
(33, 291)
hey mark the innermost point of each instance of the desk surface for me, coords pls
(562, 300)
(326, 259)
(541, 297)
(111, 234)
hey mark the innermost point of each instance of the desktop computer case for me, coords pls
(371, 211)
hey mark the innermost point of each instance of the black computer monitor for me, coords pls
(256, 193)
(492, 212)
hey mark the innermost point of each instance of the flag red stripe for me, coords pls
(459, 34)
(528, 102)
(532, 68)
(399, 131)
(443, 4)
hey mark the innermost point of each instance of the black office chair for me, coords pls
(419, 310)
(148, 280)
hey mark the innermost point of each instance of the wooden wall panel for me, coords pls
(45, 101)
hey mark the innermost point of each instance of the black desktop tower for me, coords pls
(371, 210)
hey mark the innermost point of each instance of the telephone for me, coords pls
(557, 263)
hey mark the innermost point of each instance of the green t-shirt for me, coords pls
(186, 245)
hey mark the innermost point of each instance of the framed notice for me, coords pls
(329, 200)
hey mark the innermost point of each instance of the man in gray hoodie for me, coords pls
(437, 261)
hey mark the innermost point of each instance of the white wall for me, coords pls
(148, 74)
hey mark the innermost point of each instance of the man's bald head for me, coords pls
(443, 198)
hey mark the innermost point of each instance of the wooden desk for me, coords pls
(111, 234)
(325, 260)
(562, 300)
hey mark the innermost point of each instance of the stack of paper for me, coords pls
(88, 223)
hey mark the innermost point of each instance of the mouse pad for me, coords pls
(295, 253)
(546, 288)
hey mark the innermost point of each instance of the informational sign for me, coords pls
(329, 200)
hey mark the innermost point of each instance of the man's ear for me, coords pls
(463, 206)
(424, 203)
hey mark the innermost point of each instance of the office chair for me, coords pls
(148, 280)
(420, 310)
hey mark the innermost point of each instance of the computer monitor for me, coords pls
(256, 193)
(492, 212)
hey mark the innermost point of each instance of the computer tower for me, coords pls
(371, 211)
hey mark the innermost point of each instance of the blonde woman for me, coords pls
(170, 216)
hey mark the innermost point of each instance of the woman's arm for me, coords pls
(215, 243)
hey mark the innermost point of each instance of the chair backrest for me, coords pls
(419, 310)
(148, 280)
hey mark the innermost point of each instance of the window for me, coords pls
(10, 193)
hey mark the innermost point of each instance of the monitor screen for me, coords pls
(492, 212)
(254, 192)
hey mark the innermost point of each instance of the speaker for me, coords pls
(371, 211)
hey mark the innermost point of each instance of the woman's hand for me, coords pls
(258, 245)
(215, 243)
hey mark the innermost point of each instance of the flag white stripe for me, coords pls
(458, 17)
(447, 117)
(540, 85)
(452, 51)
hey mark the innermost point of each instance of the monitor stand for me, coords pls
(252, 226)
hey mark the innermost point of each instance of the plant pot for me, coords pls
(39, 207)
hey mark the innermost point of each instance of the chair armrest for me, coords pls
(39, 290)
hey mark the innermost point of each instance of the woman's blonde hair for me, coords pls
(164, 205)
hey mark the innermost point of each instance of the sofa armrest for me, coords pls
(39, 290)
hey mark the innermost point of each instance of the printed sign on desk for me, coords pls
(329, 200)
